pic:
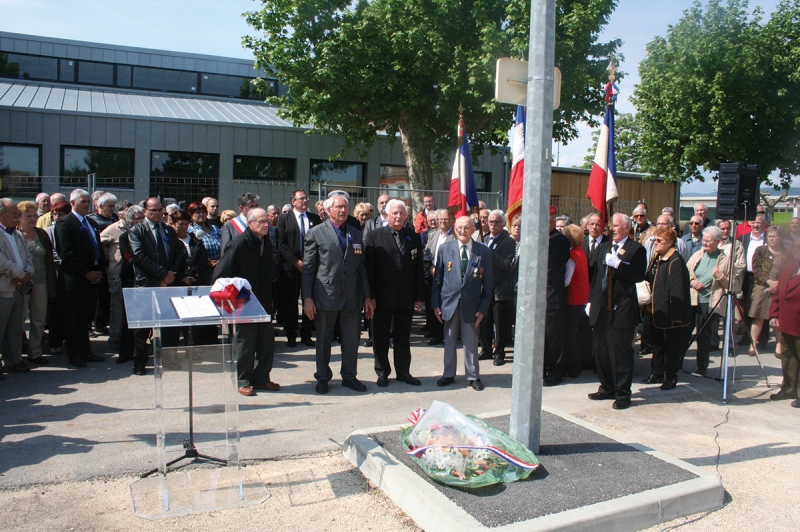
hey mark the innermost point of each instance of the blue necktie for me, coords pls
(90, 231)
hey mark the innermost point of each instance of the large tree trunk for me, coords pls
(419, 164)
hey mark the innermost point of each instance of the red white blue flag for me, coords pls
(603, 178)
(463, 198)
(517, 165)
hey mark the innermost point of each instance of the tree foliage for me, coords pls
(722, 87)
(405, 66)
(626, 144)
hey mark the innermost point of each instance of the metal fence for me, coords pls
(577, 208)
(370, 194)
(277, 193)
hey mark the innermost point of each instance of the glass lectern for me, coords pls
(196, 406)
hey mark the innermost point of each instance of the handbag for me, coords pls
(643, 293)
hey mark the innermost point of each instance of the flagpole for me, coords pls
(612, 76)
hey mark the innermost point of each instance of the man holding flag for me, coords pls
(603, 178)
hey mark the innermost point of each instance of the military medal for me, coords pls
(449, 266)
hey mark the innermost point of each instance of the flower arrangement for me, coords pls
(462, 450)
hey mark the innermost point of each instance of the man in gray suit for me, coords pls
(334, 285)
(462, 291)
(436, 237)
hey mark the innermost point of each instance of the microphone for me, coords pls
(200, 234)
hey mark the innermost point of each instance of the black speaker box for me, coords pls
(737, 191)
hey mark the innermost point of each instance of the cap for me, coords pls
(334, 193)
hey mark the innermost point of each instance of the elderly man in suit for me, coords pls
(501, 309)
(462, 292)
(382, 218)
(614, 312)
(393, 260)
(437, 237)
(16, 268)
(557, 257)
(591, 244)
(250, 256)
(80, 276)
(334, 285)
(159, 260)
(292, 229)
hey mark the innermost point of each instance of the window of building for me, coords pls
(18, 160)
(184, 176)
(123, 76)
(233, 87)
(29, 66)
(66, 70)
(263, 168)
(93, 73)
(114, 167)
(394, 181)
(164, 80)
(483, 181)
(339, 174)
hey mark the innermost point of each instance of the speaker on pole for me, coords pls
(737, 191)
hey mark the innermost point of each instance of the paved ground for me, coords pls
(91, 431)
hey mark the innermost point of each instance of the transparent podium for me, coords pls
(196, 406)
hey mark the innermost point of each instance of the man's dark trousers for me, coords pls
(382, 324)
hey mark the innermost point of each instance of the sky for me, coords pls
(216, 27)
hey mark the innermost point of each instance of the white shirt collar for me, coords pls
(618, 244)
(468, 244)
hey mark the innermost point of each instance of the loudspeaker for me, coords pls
(737, 191)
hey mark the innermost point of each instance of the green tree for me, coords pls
(626, 144)
(404, 67)
(721, 87)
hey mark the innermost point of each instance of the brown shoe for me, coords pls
(269, 386)
(247, 390)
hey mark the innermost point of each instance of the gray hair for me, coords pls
(96, 194)
(670, 219)
(172, 207)
(246, 198)
(5, 202)
(701, 203)
(668, 210)
(272, 208)
(41, 195)
(564, 218)
(626, 220)
(393, 203)
(641, 210)
(131, 212)
(77, 194)
(328, 203)
(440, 212)
(56, 197)
(500, 214)
(253, 213)
(714, 232)
(287, 208)
(106, 197)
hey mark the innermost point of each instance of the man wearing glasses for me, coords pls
(701, 210)
(292, 229)
(694, 239)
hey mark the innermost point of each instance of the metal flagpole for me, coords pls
(526, 389)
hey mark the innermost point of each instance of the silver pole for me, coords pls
(526, 391)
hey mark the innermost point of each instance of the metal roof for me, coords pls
(100, 102)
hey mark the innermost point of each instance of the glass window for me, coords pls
(164, 80)
(123, 76)
(263, 168)
(394, 181)
(184, 164)
(114, 167)
(231, 86)
(483, 181)
(339, 174)
(66, 70)
(95, 73)
(29, 66)
(19, 160)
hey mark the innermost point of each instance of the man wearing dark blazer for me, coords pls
(335, 286)
(292, 227)
(501, 309)
(557, 257)
(436, 237)
(614, 323)
(82, 265)
(462, 291)
(751, 241)
(381, 219)
(393, 260)
(159, 260)
(591, 244)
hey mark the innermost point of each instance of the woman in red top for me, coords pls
(577, 283)
(785, 313)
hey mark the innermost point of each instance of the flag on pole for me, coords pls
(603, 178)
(463, 194)
(517, 165)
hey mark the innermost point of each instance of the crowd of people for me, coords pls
(328, 274)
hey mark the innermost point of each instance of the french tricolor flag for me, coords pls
(518, 166)
(603, 178)
(463, 194)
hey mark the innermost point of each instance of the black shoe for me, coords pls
(796, 403)
(91, 357)
(436, 341)
(307, 341)
(652, 379)
(122, 359)
(713, 348)
(139, 371)
(76, 363)
(408, 379)
(322, 387)
(383, 381)
(368, 343)
(551, 381)
(646, 351)
(291, 342)
(622, 403)
(477, 385)
(485, 356)
(780, 396)
(353, 384)
(39, 360)
(601, 395)
(101, 331)
(701, 371)
(499, 360)
(668, 385)
(19, 367)
(444, 381)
